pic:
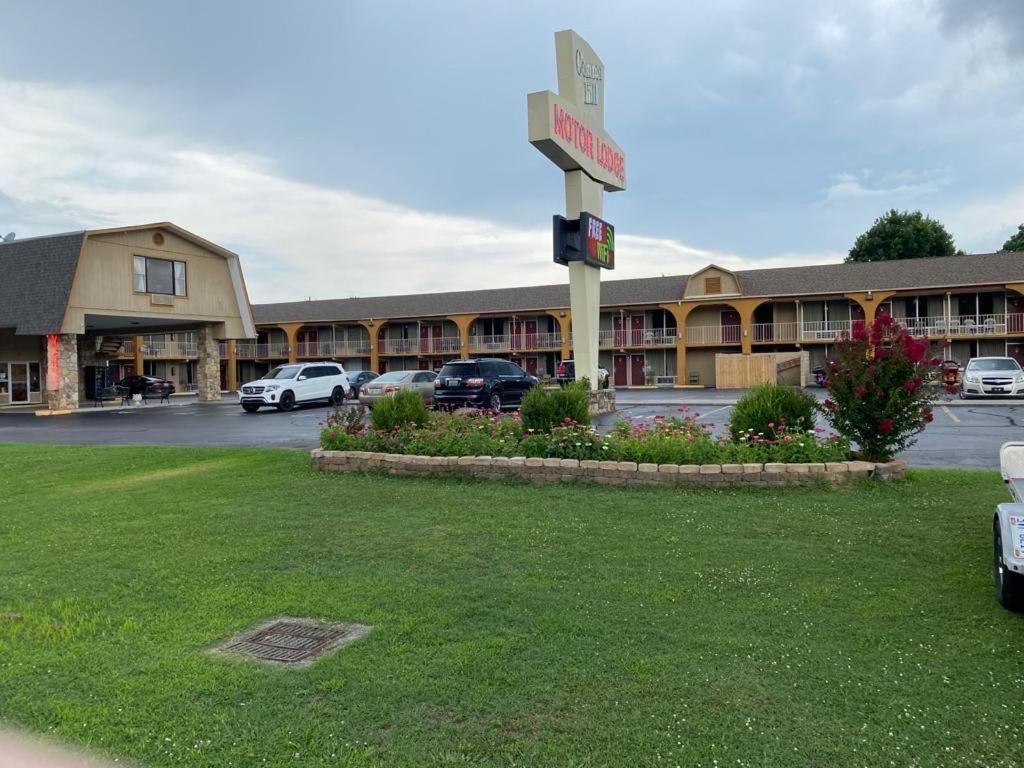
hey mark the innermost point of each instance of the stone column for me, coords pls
(140, 366)
(207, 364)
(62, 371)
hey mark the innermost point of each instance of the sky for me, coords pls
(369, 148)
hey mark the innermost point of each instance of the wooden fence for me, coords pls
(734, 371)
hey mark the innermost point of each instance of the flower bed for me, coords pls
(682, 440)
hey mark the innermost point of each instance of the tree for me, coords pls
(902, 235)
(878, 386)
(1015, 243)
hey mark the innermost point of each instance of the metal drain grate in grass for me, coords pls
(292, 641)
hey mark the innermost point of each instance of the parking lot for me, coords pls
(964, 434)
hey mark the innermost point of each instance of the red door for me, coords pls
(636, 327)
(730, 326)
(621, 370)
(1015, 314)
(382, 366)
(424, 365)
(637, 363)
(435, 338)
(531, 336)
(424, 338)
(619, 331)
(1016, 351)
(531, 366)
(857, 316)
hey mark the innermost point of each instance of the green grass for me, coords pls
(513, 625)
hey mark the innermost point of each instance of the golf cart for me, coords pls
(1008, 531)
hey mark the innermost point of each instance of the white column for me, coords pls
(584, 194)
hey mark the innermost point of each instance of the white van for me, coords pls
(288, 385)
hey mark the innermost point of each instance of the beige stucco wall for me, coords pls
(701, 361)
(695, 284)
(706, 316)
(104, 282)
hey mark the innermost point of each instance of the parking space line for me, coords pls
(716, 410)
(954, 417)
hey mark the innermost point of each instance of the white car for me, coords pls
(991, 376)
(1008, 531)
(288, 385)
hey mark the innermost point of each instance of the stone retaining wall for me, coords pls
(604, 472)
(601, 401)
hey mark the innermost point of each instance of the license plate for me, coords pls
(453, 382)
(1017, 535)
(998, 390)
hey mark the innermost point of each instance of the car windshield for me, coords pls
(393, 376)
(283, 372)
(995, 364)
(458, 370)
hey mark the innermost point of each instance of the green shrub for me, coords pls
(397, 411)
(544, 409)
(770, 410)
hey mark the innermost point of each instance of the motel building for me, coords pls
(158, 300)
(81, 310)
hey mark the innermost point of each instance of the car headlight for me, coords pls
(273, 387)
(1018, 379)
(971, 379)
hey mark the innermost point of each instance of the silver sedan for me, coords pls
(992, 377)
(392, 382)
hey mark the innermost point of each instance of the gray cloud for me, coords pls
(1005, 16)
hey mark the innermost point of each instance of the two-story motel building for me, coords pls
(654, 331)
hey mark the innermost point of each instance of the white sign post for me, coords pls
(568, 127)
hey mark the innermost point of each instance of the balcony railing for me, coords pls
(169, 350)
(963, 325)
(775, 332)
(637, 337)
(515, 342)
(440, 345)
(328, 349)
(713, 334)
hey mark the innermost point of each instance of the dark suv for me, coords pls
(484, 383)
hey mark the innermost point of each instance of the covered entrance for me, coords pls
(19, 383)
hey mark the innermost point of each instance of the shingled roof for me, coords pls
(989, 269)
(35, 281)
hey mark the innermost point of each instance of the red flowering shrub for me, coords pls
(879, 395)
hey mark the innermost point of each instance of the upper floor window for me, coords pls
(160, 276)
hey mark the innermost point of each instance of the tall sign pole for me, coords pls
(568, 127)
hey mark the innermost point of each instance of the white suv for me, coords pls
(287, 385)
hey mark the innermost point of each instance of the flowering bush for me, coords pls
(878, 388)
(680, 440)
(544, 409)
(771, 409)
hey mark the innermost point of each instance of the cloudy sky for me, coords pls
(362, 148)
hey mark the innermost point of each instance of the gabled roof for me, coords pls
(36, 275)
(826, 279)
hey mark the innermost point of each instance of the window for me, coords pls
(712, 285)
(159, 276)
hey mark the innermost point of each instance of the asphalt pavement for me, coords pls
(963, 434)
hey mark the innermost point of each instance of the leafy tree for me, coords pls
(1015, 243)
(902, 235)
(878, 386)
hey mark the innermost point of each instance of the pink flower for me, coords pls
(885, 426)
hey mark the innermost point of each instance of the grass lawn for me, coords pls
(513, 625)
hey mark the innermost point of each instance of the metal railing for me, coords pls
(775, 332)
(637, 337)
(713, 334)
(963, 325)
(328, 349)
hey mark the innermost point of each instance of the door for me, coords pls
(19, 382)
(636, 330)
(531, 366)
(1016, 351)
(730, 326)
(5, 384)
(857, 316)
(531, 336)
(424, 365)
(637, 376)
(514, 381)
(435, 338)
(423, 384)
(618, 331)
(424, 339)
(1014, 314)
(306, 383)
(620, 364)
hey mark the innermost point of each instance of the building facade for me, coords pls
(81, 309)
(665, 331)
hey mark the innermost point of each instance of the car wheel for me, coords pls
(963, 395)
(250, 407)
(287, 402)
(495, 402)
(1009, 585)
(337, 396)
